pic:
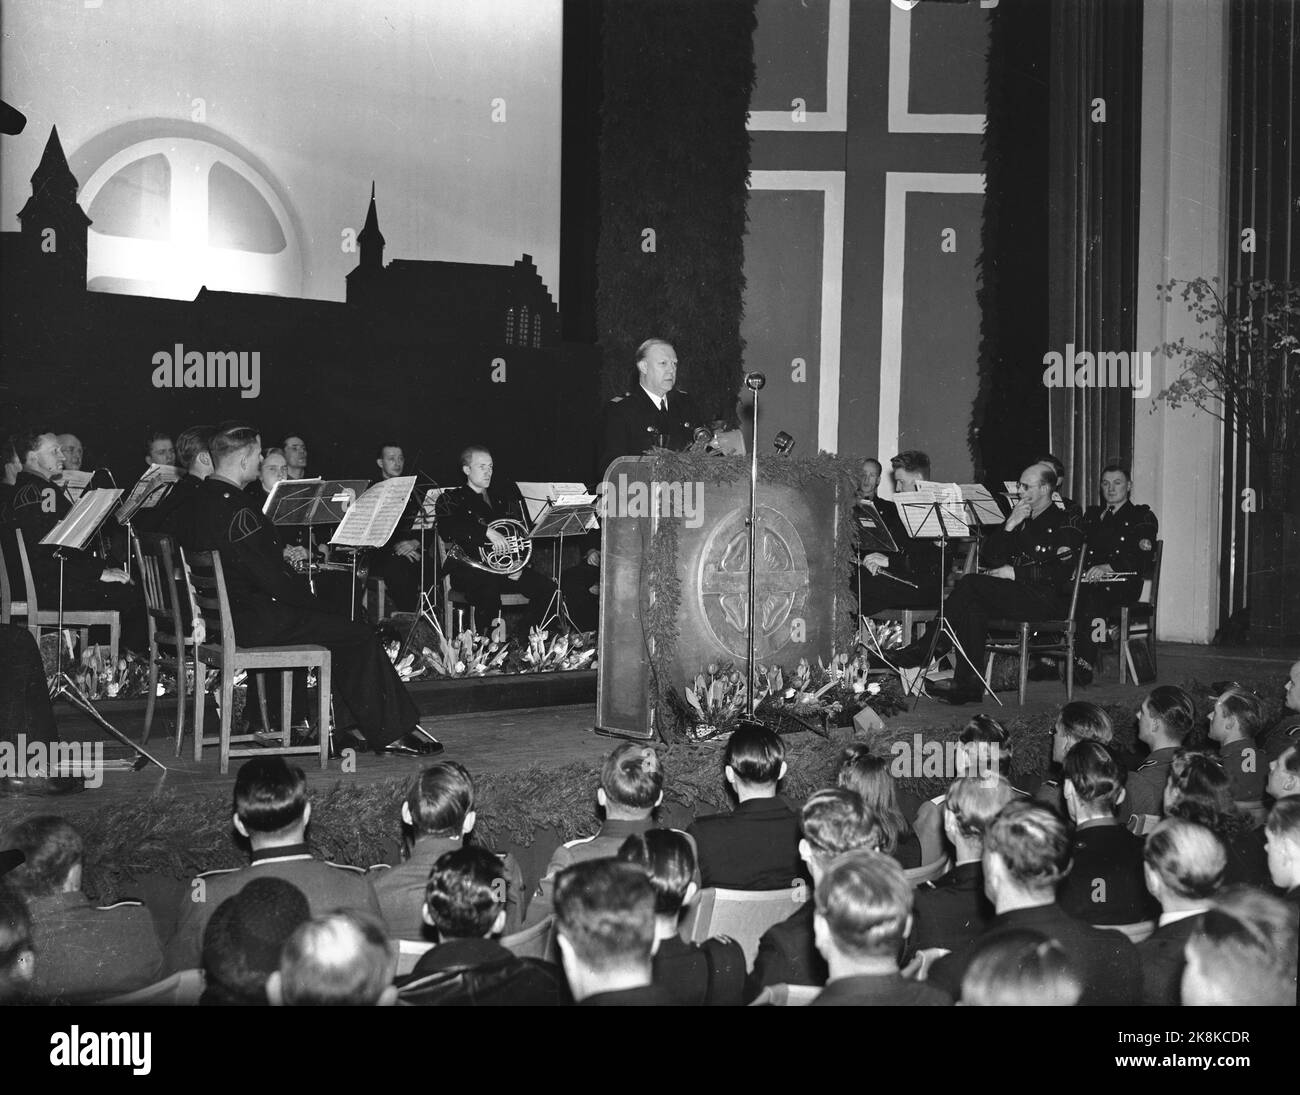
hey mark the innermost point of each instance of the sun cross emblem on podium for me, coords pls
(781, 581)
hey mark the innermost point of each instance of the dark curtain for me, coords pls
(1093, 209)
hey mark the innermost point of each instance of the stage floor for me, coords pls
(501, 741)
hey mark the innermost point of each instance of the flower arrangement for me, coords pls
(470, 654)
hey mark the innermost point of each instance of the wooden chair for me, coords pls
(81, 619)
(206, 582)
(1138, 620)
(537, 941)
(1138, 932)
(744, 915)
(1025, 643)
(452, 597)
(156, 561)
(377, 587)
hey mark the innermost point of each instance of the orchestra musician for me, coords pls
(909, 577)
(465, 515)
(656, 414)
(1121, 537)
(173, 514)
(1037, 550)
(272, 606)
(398, 561)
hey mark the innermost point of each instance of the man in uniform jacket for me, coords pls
(271, 812)
(174, 515)
(654, 414)
(915, 561)
(84, 951)
(1038, 550)
(1121, 537)
(464, 514)
(272, 606)
(398, 561)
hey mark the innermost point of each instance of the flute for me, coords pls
(885, 573)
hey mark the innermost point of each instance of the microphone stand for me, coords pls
(753, 381)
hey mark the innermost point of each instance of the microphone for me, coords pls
(755, 381)
(783, 442)
(702, 435)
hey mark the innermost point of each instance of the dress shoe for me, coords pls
(1083, 672)
(956, 694)
(415, 744)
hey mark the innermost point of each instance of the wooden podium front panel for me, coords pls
(798, 589)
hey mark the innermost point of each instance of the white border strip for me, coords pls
(898, 184)
(834, 119)
(901, 120)
(831, 184)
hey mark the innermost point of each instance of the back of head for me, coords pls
(51, 847)
(1083, 721)
(270, 795)
(1174, 708)
(605, 908)
(668, 859)
(1243, 952)
(632, 777)
(1284, 820)
(243, 940)
(865, 900)
(192, 443)
(1246, 708)
(868, 776)
(913, 460)
(465, 893)
(756, 754)
(1095, 775)
(440, 799)
(1032, 842)
(342, 958)
(1053, 462)
(1020, 968)
(230, 443)
(1200, 790)
(836, 821)
(974, 801)
(16, 952)
(1188, 858)
(992, 746)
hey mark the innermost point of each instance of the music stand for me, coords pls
(939, 515)
(72, 534)
(426, 519)
(567, 515)
(371, 520)
(312, 502)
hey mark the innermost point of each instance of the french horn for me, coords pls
(504, 561)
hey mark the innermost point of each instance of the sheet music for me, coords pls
(427, 517)
(925, 521)
(536, 496)
(372, 519)
(283, 487)
(150, 489)
(75, 482)
(76, 529)
(982, 504)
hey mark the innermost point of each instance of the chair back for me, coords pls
(534, 942)
(409, 952)
(744, 915)
(1136, 932)
(206, 581)
(1079, 568)
(1151, 587)
(7, 601)
(155, 559)
(25, 565)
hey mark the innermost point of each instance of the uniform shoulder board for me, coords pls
(376, 867)
(619, 398)
(580, 840)
(345, 867)
(125, 903)
(1146, 764)
(218, 871)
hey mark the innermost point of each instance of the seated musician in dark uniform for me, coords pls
(465, 517)
(175, 511)
(655, 414)
(1038, 550)
(38, 504)
(909, 577)
(271, 605)
(398, 561)
(1121, 537)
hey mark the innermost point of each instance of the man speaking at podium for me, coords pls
(655, 414)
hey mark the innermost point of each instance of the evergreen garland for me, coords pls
(674, 159)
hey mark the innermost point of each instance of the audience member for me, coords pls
(985, 749)
(631, 787)
(1199, 790)
(1235, 719)
(340, 959)
(1284, 774)
(466, 907)
(1026, 854)
(1183, 867)
(17, 954)
(1243, 952)
(863, 914)
(833, 822)
(1077, 721)
(439, 812)
(870, 777)
(711, 973)
(83, 951)
(1286, 731)
(1105, 883)
(605, 913)
(1164, 722)
(756, 845)
(953, 910)
(1282, 840)
(271, 811)
(1020, 969)
(244, 938)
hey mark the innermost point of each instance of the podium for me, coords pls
(801, 592)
